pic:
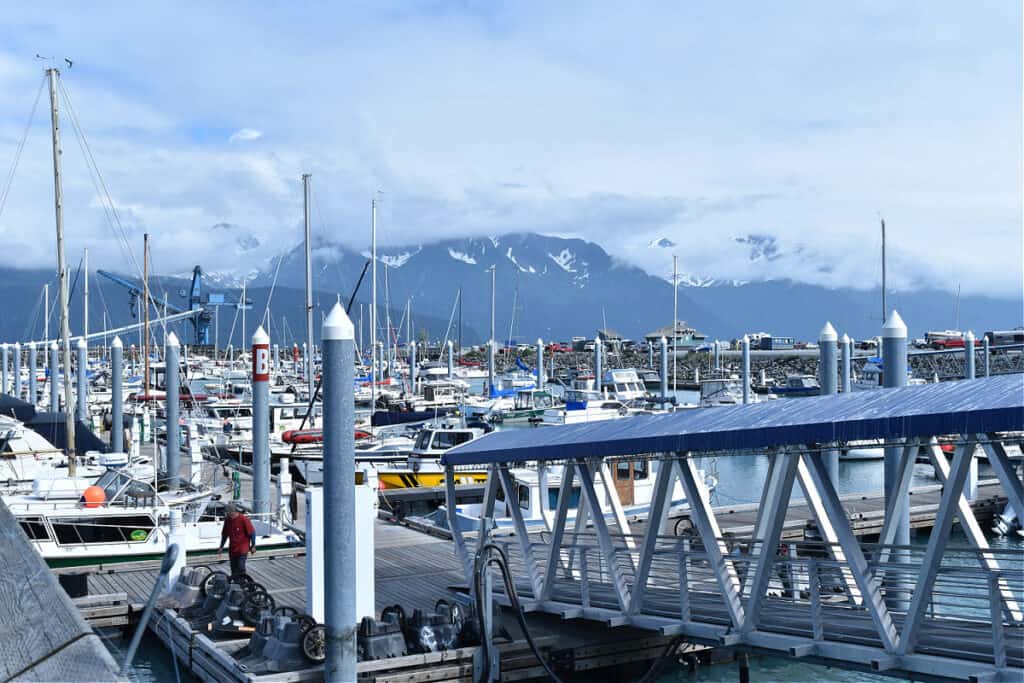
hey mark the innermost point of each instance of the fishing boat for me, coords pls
(798, 385)
(423, 465)
(623, 385)
(727, 390)
(122, 519)
(526, 405)
(584, 405)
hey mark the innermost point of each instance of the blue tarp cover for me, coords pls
(991, 404)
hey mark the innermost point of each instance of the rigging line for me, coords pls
(9, 181)
(273, 285)
(90, 159)
(30, 326)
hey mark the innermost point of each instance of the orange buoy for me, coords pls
(94, 496)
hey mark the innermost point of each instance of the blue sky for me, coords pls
(620, 123)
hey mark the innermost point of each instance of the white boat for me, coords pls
(727, 390)
(584, 406)
(129, 523)
(623, 385)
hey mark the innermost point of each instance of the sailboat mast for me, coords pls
(85, 293)
(62, 270)
(309, 283)
(675, 318)
(460, 322)
(46, 313)
(493, 270)
(145, 315)
(885, 307)
(373, 304)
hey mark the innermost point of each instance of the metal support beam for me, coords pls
(821, 486)
(660, 502)
(937, 540)
(715, 548)
(893, 510)
(522, 535)
(558, 532)
(613, 499)
(604, 539)
(453, 525)
(768, 531)
(972, 530)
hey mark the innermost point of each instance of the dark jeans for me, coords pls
(237, 564)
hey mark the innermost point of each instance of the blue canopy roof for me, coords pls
(970, 406)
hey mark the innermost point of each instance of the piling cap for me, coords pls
(597, 340)
(746, 339)
(337, 326)
(53, 345)
(412, 345)
(828, 333)
(172, 340)
(894, 327)
(969, 334)
(17, 345)
(260, 336)
(82, 343)
(32, 345)
(450, 343)
(846, 338)
(664, 341)
(540, 342)
(117, 343)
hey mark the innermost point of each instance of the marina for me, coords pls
(461, 343)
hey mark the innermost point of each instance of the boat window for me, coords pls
(524, 496)
(103, 529)
(423, 440)
(622, 469)
(574, 497)
(610, 406)
(639, 469)
(447, 439)
(34, 528)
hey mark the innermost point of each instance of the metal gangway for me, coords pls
(942, 610)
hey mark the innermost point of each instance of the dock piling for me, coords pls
(745, 347)
(828, 380)
(847, 362)
(339, 498)
(664, 368)
(716, 355)
(82, 382)
(116, 395)
(451, 360)
(540, 363)
(598, 370)
(969, 367)
(261, 423)
(412, 368)
(490, 367)
(894, 374)
(33, 396)
(54, 374)
(17, 369)
(173, 402)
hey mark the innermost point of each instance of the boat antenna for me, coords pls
(884, 306)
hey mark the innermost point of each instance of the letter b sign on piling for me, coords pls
(261, 362)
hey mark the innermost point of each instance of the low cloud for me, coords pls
(245, 135)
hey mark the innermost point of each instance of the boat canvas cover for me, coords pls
(16, 408)
(985, 405)
(52, 427)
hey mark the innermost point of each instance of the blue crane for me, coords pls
(198, 302)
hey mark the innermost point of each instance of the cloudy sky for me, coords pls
(623, 123)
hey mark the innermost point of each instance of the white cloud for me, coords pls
(245, 135)
(719, 122)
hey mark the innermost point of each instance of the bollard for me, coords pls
(969, 370)
(828, 379)
(894, 374)
(540, 363)
(339, 498)
(116, 396)
(490, 368)
(745, 347)
(33, 397)
(451, 360)
(17, 369)
(82, 399)
(598, 370)
(54, 375)
(847, 363)
(664, 368)
(173, 404)
(261, 423)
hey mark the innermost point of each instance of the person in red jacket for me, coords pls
(240, 536)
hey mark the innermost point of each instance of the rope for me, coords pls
(17, 152)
